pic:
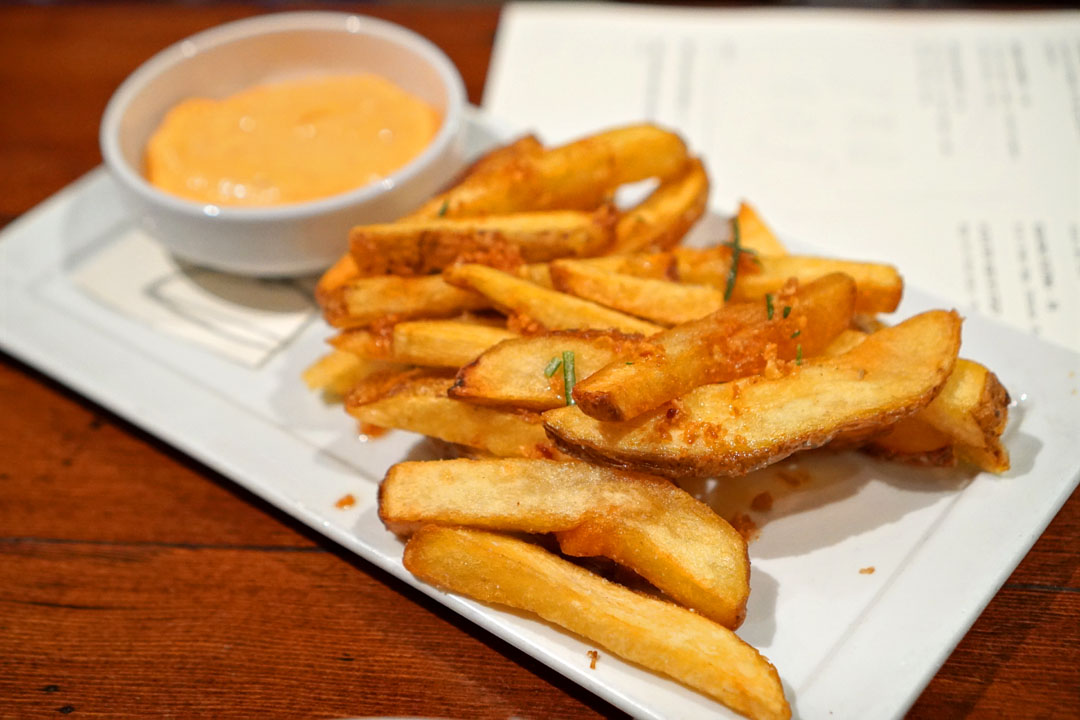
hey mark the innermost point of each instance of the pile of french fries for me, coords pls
(582, 359)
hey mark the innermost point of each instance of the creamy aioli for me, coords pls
(289, 142)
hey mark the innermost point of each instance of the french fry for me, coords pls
(879, 286)
(641, 522)
(731, 343)
(364, 344)
(733, 428)
(497, 160)
(553, 310)
(662, 219)
(367, 300)
(378, 385)
(843, 342)
(972, 407)
(660, 266)
(577, 176)
(444, 343)
(420, 247)
(510, 160)
(429, 343)
(661, 636)
(755, 235)
(421, 405)
(971, 412)
(660, 301)
(337, 275)
(914, 442)
(514, 372)
(337, 372)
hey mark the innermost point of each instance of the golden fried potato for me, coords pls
(514, 372)
(659, 266)
(879, 286)
(737, 341)
(662, 219)
(337, 275)
(661, 636)
(553, 310)
(495, 161)
(420, 405)
(364, 344)
(444, 343)
(337, 372)
(367, 300)
(429, 343)
(733, 428)
(420, 247)
(973, 409)
(641, 522)
(914, 442)
(971, 412)
(492, 162)
(577, 176)
(755, 235)
(659, 301)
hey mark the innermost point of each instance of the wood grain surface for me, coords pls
(135, 582)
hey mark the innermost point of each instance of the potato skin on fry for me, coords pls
(642, 522)
(733, 428)
(658, 635)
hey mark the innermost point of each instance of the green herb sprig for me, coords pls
(768, 305)
(736, 252)
(552, 366)
(568, 376)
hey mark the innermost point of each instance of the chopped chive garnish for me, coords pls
(552, 366)
(736, 251)
(787, 311)
(796, 334)
(798, 354)
(444, 208)
(745, 250)
(769, 305)
(629, 363)
(569, 379)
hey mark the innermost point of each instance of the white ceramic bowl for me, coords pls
(290, 239)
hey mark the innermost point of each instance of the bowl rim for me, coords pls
(350, 23)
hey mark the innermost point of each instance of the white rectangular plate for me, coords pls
(846, 643)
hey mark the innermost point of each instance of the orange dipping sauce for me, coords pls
(289, 142)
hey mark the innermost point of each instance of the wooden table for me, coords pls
(134, 582)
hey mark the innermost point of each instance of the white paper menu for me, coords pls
(947, 144)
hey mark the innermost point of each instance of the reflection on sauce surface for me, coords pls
(289, 142)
